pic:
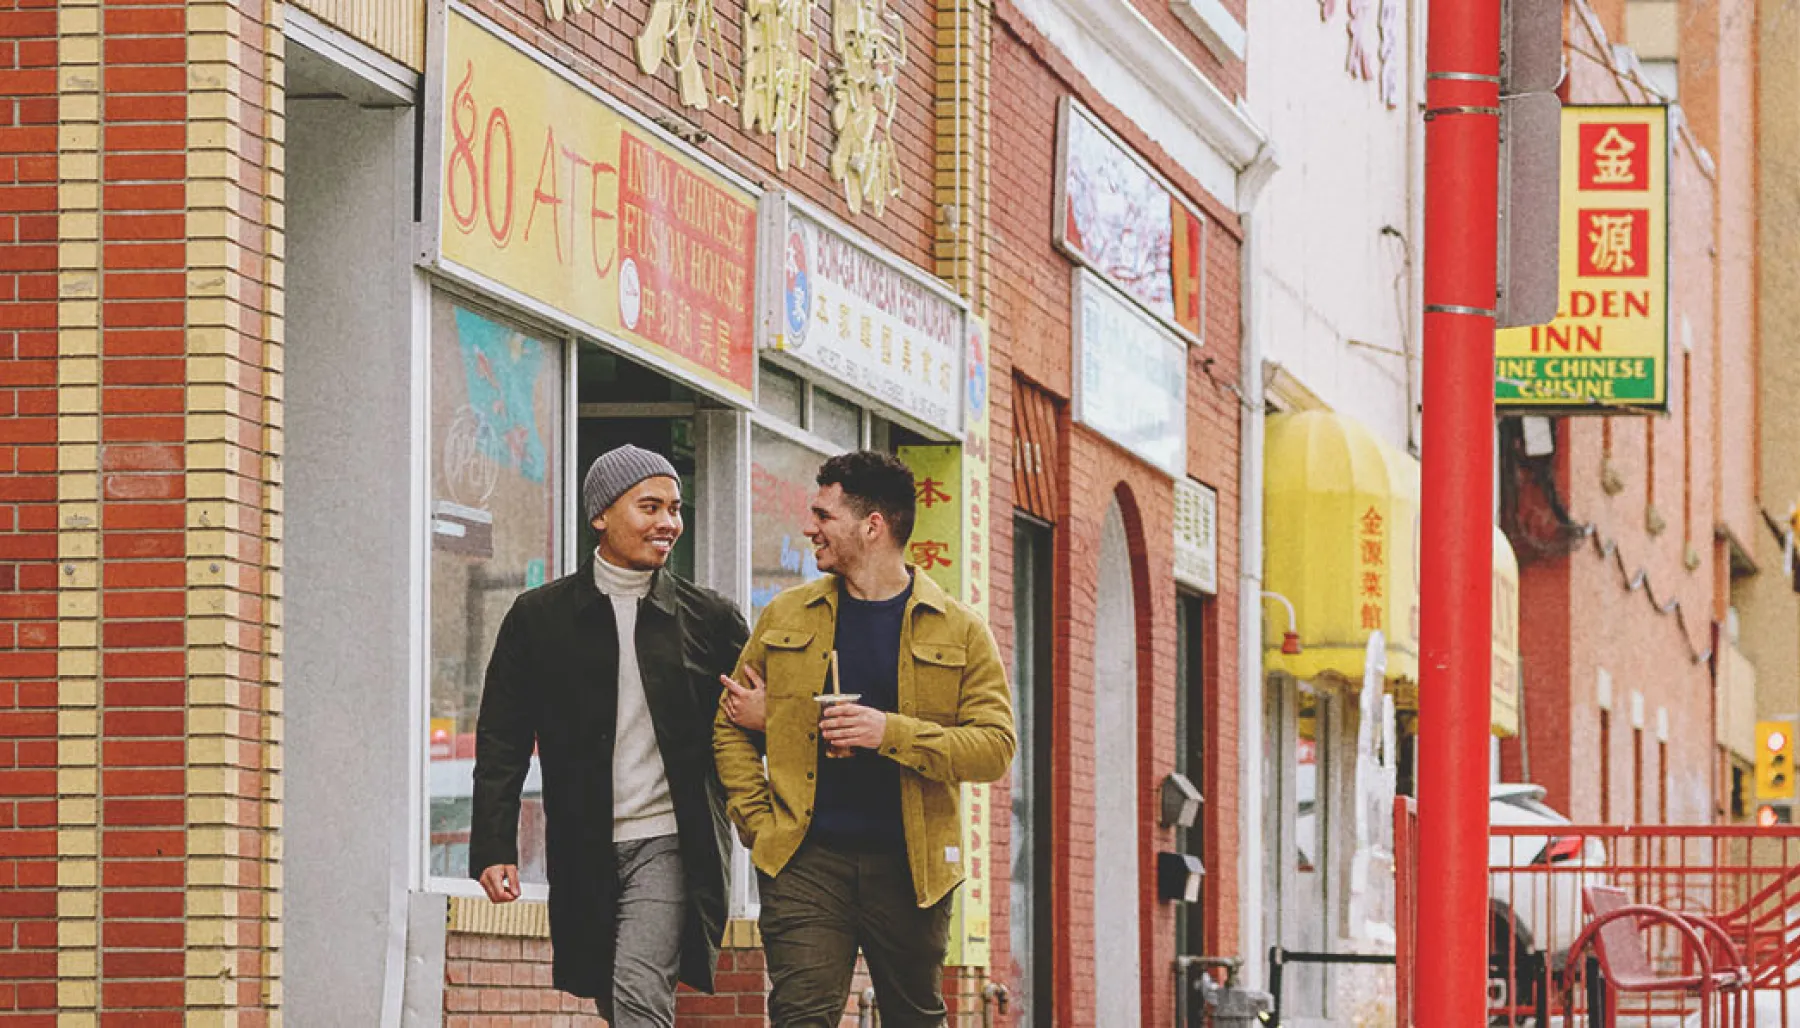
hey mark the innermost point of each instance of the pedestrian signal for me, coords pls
(1768, 816)
(1774, 760)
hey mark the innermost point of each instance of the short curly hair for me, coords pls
(875, 481)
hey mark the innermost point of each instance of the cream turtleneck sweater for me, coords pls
(642, 808)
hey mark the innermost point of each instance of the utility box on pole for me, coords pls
(1531, 68)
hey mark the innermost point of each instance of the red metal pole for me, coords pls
(1456, 532)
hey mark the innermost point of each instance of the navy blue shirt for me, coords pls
(858, 800)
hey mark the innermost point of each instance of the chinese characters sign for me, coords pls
(1196, 536)
(549, 192)
(1608, 346)
(778, 77)
(865, 89)
(1131, 376)
(880, 328)
(950, 543)
(1117, 217)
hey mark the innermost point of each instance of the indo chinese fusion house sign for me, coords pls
(1608, 346)
(550, 194)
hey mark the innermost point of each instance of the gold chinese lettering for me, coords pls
(777, 76)
(1610, 237)
(1612, 158)
(865, 88)
(684, 34)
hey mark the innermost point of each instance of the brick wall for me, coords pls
(504, 982)
(29, 405)
(1032, 308)
(139, 330)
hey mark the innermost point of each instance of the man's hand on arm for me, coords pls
(746, 705)
(501, 883)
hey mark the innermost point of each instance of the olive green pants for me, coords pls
(827, 903)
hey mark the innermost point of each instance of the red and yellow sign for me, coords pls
(1608, 346)
(549, 191)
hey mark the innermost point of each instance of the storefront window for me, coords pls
(496, 469)
(836, 419)
(782, 394)
(782, 477)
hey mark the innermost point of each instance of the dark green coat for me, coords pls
(553, 681)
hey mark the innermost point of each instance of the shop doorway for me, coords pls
(622, 402)
(1033, 636)
(1300, 775)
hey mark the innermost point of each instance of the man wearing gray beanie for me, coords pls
(612, 674)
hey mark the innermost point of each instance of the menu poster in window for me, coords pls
(865, 319)
(1118, 217)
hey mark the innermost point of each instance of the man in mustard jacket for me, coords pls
(861, 852)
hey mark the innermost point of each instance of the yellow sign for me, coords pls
(1608, 346)
(950, 543)
(549, 191)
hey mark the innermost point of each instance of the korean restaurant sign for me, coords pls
(1609, 344)
(1130, 375)
(1118, 217)
(1196, 536)
(841, 306)
(550, 192)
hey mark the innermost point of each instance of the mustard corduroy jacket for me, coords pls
(954, 725)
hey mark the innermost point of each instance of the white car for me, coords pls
(1534, 887)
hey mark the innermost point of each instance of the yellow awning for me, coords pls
(1340, 537)
(1505, 685)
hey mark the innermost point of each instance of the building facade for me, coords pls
(316, 315)
(1122, 169)
(1636, 531)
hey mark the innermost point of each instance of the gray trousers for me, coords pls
(652, 906)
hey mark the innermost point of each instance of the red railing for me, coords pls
(1744, 879)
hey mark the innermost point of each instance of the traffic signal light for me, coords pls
(1774, 760)
(1768, 816)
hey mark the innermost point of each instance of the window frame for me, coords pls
(566, 344)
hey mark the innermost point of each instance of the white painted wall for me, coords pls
(1118, 999)
(1326, 273)
(349, 833)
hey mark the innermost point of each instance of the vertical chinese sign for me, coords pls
(1608, 347)
(549, 192)
(950, 543)
(1372, 534)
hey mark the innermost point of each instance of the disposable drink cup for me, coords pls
(826, 701)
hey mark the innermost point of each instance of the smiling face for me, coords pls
(841, 537)
(639, 530)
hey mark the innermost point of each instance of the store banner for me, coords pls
(882, 329)
(1609, 345)
(549, 191)
(1118, 217)
(950, 543)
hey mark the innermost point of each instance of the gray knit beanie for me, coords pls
(614, 472)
